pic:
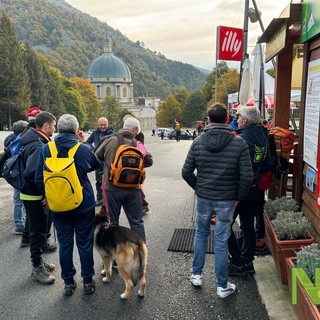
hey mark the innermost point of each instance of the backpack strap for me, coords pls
(54, 151)
(121, 140)
(73, 150)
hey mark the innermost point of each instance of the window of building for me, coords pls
(124, 92)
(108, 91)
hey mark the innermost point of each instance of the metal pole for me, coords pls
(261, 24)
(216, 82)
(261, 91)
(245, 39)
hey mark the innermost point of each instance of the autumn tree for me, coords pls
(195, 108)
(15, 88)
(90, 100)
(227, 83)
(111, 109)
(182, 96)
(169, 110)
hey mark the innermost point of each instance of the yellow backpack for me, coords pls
(127, 168)
(61, 183)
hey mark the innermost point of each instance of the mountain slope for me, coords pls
(71, 39)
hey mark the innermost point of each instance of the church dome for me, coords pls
(109, 66)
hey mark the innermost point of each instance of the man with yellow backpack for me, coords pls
(62, 177)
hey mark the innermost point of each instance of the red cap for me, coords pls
(32, 113)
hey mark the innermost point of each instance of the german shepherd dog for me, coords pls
(127, 248)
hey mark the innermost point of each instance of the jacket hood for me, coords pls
(31, 136)
(66, 140)
(216, 136)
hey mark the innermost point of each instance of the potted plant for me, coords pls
(286, 232)
(307, 258)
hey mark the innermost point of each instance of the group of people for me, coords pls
(95, 154)
(223, 167)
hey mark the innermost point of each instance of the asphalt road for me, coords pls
(169, 295)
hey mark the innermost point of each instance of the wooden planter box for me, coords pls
(282, 249)
(305, 308)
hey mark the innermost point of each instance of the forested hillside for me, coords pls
(71, 39)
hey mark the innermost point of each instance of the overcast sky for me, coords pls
(182, 30)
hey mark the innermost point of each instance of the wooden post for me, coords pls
(283, 87)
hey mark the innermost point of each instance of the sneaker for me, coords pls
(24, 243)
(236, 271)
(225, 292)
(49, 247)
(196, 280)
(42, 275)
(49, 266)
(89, 287)
(69, 289)
(99, 202)
(249, 268)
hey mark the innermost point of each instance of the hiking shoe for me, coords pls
(49, 266)
(42, 275)
(19, 231)
(145, 209)
(236, 271)
(49, 247)
(69, 289)
(260, 244)
(24, 243)
(89, 287)
(249, 268)
(225, 292)
(99, 202)
(196, 280)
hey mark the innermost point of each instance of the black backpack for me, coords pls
(13, 170)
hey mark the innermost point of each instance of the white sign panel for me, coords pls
(311, 122)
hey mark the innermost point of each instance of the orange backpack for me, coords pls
(283, 139)
(127, 168)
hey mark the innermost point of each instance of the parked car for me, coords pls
(184, 135)
(166, 131)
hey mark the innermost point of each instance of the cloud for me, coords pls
(183, 30)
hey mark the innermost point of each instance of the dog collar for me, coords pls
(107, 225)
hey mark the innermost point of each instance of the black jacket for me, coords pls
(222, 164)
(32, 142)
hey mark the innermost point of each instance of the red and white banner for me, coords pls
(229, 43)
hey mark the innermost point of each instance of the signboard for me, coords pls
(312, 289)
(276, 43)
(310, 24)
(229, 43)
(312, 115)
(318, 185)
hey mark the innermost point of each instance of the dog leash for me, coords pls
(105, 200)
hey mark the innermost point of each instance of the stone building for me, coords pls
(111, 76)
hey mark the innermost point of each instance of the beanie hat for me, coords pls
(32, 113)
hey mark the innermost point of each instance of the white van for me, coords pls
(166, 131)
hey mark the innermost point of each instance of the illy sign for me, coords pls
(229, 43)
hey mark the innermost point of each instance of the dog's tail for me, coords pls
(139, 266)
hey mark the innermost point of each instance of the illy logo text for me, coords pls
(231, 43)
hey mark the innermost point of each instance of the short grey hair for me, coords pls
(252, 114)
(67, 123)
(131, 123)
(19, 126)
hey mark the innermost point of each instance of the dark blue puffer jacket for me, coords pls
(85, 161)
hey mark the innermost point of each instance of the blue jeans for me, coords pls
(19, 213)
(224, 210)
(80, 226)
